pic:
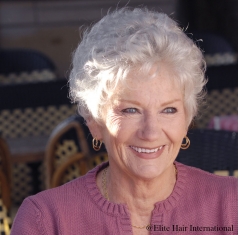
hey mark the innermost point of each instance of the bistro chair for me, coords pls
(34, 102)
(222, 74)
(214, 151)
(67, 139)
(218, 103)
(25, 66)
(76, 166)
(217, 49)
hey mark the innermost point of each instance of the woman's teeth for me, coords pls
(143, 150)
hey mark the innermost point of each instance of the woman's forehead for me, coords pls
(160, 88)
(156, 75)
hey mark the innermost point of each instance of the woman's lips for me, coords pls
(148, 153)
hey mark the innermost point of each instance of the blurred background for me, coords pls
(37, 39)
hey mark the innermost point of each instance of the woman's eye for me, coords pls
(170, 110)
(130, 110)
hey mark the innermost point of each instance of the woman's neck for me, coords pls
(139, 195)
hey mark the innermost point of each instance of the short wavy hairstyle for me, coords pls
(131, 38)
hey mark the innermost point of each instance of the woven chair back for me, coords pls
(212, 151)
(76, 166)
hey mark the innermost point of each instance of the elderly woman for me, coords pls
(138, 80)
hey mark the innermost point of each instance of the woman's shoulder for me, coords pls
(208, 192)
(43, 211)
(202, 179)
(76, 188)
(57, 195)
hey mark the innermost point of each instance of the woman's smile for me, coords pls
(147, 153)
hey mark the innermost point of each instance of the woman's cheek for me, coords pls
(113, 123)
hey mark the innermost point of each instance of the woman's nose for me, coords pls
(150, 129)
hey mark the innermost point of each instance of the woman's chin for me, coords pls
(148, 172)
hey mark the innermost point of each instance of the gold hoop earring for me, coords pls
(187, 144)
(96, 144)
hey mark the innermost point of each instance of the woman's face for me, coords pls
(144, 124)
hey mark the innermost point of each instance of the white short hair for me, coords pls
(127, 38)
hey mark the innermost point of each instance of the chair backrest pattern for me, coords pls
(76, 166)
(70, 169)
(211, 150)
(32, 77)
(67, 139)
(97, 159)
(22, 184)
(64, 151)
(5, 220)
(37, 121)
(218, 103)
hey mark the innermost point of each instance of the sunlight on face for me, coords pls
(144, 124)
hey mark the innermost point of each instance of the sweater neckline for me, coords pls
(115, 209)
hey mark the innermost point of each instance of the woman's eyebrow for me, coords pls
(129, 101)
(171, 102)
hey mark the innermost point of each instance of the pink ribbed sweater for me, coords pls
(201, 203)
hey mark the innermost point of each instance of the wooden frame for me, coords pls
(59, 173)
(6, 160)
(60, 130)
(85, 164)
(5, 188)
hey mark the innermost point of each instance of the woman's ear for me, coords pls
(95, 128)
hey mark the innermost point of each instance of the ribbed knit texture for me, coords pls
(78, 208)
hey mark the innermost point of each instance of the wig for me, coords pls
(127, 39)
